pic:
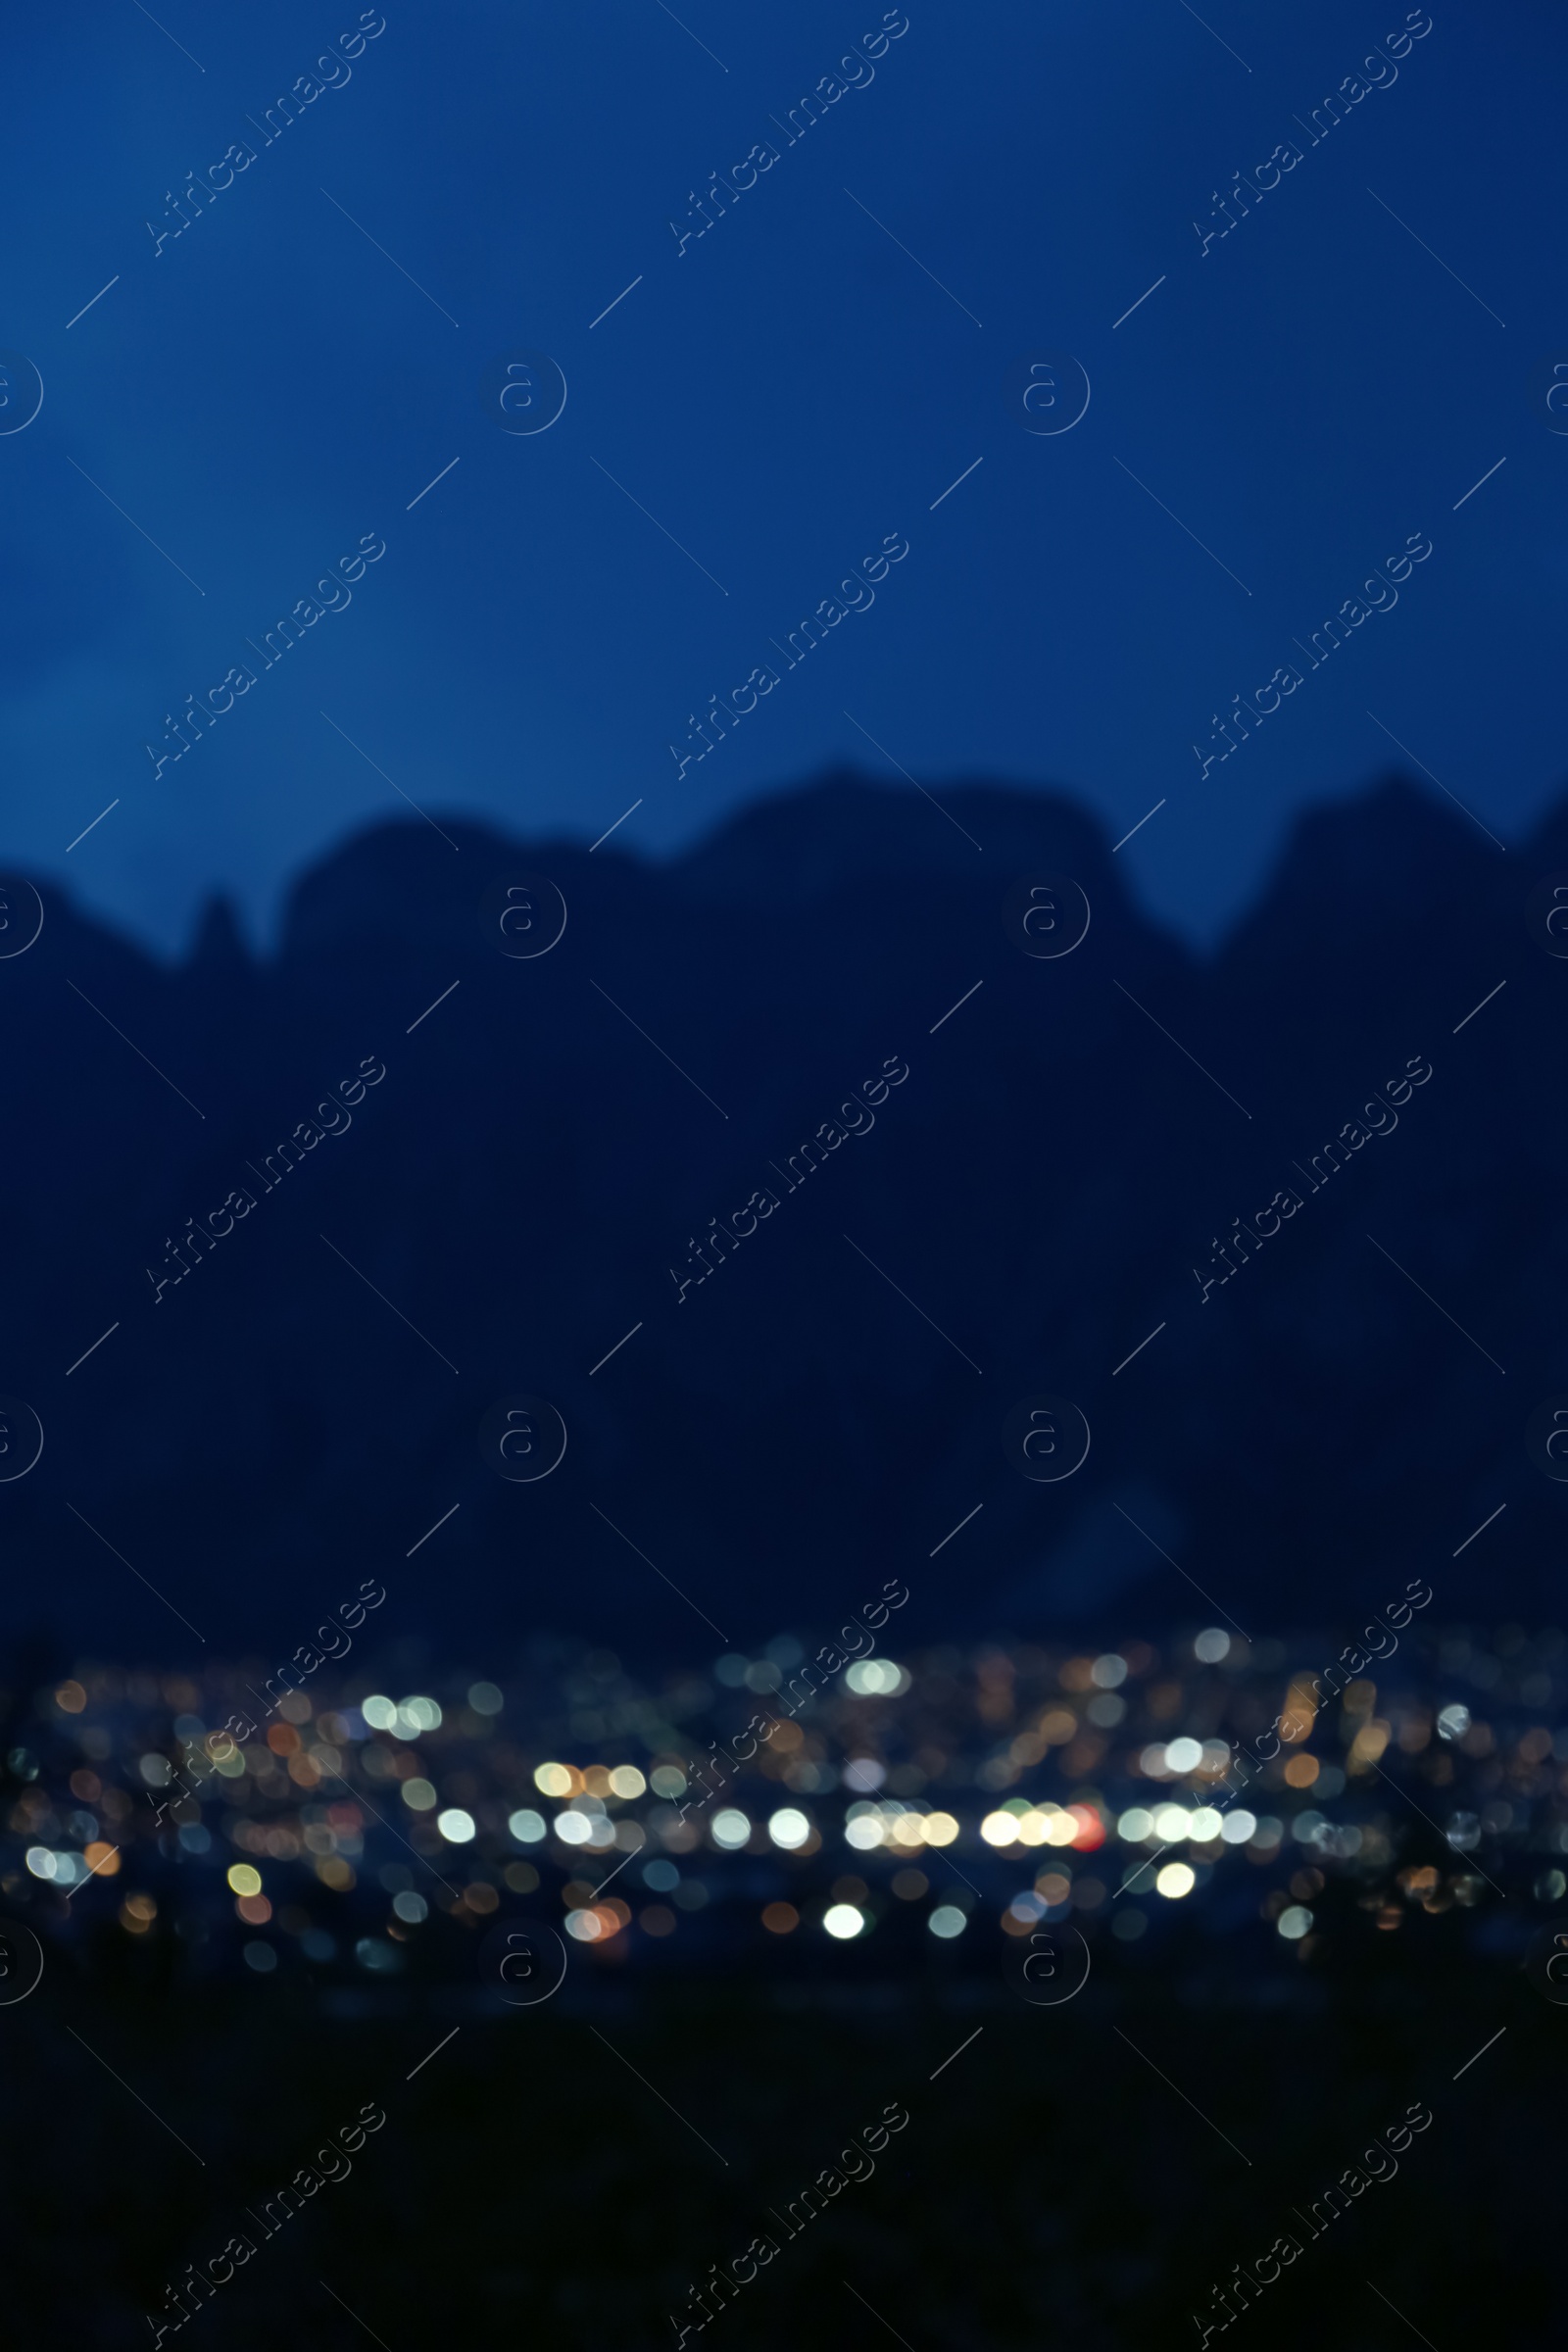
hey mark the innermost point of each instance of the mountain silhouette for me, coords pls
(606, 1139)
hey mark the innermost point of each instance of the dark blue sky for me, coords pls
(269, 387)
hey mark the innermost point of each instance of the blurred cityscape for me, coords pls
(922, 1808)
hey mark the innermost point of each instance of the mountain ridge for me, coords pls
(561, 1142)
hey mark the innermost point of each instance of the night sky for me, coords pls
(770, 402)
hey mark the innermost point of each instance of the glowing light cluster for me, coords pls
(1018, 1824)
(876, 1678)
(407, 1717)
(868, 1825)
(595, 1923)
(64, 1869)
(578, 1827)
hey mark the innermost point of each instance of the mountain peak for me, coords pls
(218, 943)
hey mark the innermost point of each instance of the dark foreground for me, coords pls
(1086, 2174)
